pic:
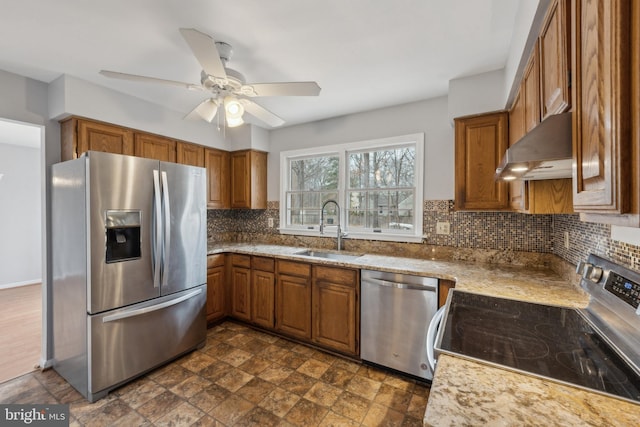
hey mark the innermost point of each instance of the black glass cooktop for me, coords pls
(548, 341)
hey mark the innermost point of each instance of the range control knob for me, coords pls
(595, 274)
(584, 268)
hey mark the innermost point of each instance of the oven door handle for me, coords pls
(432, 332)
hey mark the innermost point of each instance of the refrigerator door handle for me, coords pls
(167, 226)
(140, 311)
(156, 240)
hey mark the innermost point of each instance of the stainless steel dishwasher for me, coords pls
(395, 313)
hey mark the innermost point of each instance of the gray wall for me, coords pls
(428, 117)
(20, 216)
(23, 99)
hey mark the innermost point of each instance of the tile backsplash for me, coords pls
(496, 237)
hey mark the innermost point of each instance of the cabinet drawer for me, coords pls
(343, 276)
(241, 260)
(263, 264)
(294, 268)
(216, 260)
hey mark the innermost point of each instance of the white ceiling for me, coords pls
(364, 54)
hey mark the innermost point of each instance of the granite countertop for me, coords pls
(466, 392)
(536, 284)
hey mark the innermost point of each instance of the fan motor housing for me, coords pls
(232, 83)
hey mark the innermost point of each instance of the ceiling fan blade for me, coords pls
(206, 110)
(134, 77)
(261, 113)
(281, 89)
(205, 51)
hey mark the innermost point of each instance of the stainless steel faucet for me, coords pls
(340, 233)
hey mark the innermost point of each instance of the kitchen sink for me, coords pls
(328, 255)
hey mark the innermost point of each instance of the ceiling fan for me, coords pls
(227, 86)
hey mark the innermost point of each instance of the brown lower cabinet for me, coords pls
(443, 290)
(263, 288)
(318, 304)
(215, 287)
(241, 287)
(293, 299)
(335, 308)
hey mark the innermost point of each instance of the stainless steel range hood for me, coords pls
(543, 153)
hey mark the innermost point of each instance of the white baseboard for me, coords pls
(18, 284)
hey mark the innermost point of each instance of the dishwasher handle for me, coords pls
(380, 282)
(432, 332)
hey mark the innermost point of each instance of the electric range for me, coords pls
(596, 348)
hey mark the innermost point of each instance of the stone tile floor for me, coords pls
(241, 377)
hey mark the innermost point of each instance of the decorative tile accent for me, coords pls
(588, 237)
(489, 237)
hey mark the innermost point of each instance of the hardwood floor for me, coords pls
(20, 330)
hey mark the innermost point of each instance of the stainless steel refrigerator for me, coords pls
(129, 243)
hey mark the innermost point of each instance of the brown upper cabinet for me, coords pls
(189, 154)
(531, 90)
(244, 175)
(217, 164)
(480, 143)
(81, 135)
(544, 90)
(155, 147)
(524, 116)
(554, 47)
(605, 50)
(248, 179)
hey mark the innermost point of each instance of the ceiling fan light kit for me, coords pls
(233, 111)
(227, 86)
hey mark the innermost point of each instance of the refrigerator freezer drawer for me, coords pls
(127, 342)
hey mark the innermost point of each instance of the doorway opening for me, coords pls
(22, 272)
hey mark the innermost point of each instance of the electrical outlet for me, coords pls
(566, 240)
(443, 228)
(270, 222)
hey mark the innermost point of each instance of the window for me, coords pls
(378, 185)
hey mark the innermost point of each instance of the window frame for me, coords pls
(342, 151)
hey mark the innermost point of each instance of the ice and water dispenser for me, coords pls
(123, 235)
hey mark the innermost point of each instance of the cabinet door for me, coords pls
(248, 179)
(155, 147)
(293, 306)
(215, 293)
(263, 298)
(480, 143)
(601, 120)
(240, 180)
(217, 164)
(517, 189)
(97, 136)
(531, 87)
(241, 293)
(189, 154)
(335, 309)
(554, 59)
